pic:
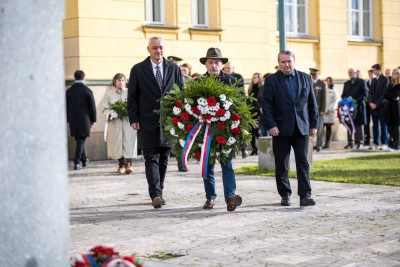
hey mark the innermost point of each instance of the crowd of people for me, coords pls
(289, 105)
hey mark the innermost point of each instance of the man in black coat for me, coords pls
(81, 116)
(377, 103)
(149, 81)
(291, 116)
(357, 89)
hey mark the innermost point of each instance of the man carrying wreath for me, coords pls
(213, 62)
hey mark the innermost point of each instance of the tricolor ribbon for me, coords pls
(205, 149)
(342, 119)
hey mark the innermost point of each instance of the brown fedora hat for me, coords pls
(213, 53)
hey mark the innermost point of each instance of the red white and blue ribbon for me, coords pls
(189, 142)
(342, 118)
(205, 150)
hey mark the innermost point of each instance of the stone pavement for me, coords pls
(351, 225)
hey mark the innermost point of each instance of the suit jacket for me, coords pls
(358, 90)
(279, 109)
(81, 110)
(376, 94)
(144, 98)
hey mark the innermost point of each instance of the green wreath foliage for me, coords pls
(180, 110)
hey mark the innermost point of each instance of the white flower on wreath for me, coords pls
(235, 124)
(176, 110)
(172, 132)
(230, 141)
(181, 142)
(227, 115)
(203, 109)
(222, 97)
(227, 104)
(200, 145)
(181, 125)
(214, 119)
(188, 109)
(202, 101)
(217, 154)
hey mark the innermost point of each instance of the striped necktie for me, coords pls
(159, 77)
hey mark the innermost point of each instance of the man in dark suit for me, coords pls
(291, 115)
(149, 81)
(81, 116)
(357, 89)
(377, 103)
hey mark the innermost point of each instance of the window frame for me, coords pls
(294, 14)
(150, 11)
(361, 15)
(195, 17)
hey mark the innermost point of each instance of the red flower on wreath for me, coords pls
(189, 127)
(235, 130)
(221, 125)
(220, 112)
(184, 116)
(196, 110)
(236, 117)
(197, 154)
(220, 140)
(175, 120)
(178, 104)
(207, 116)
(211, 101)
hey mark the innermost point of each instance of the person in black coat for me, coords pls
(377, 103)
(291, 116)
(149, 81)
(392, 111)
(81, 116)
(357, 89)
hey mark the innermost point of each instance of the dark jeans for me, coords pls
(380, 130)
(281, 147)
(80, 154)
(156, 163)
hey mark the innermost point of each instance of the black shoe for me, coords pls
(182, 169)
(285, 201)
(360, 146)
(85, 163)
(348, 146)
(244, 154)
(325, 146)
(77, 167)
(318, 148)
(307, 201)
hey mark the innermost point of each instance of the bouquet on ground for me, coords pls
(347, 112)
(207, 120)
(118, 110)
(103, 257)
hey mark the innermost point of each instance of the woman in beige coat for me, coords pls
(121, 138)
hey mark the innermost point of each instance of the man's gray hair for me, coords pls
(154, 38)
(286, 52)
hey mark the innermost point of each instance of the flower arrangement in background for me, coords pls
(100, 256)
(207, 120)
(118, 110)
(347, 112)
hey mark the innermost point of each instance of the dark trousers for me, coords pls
(255, 133)
(394, 137)
(367, 130)
(156, 163)
(281, 147)
(80, 154)
(358, 136)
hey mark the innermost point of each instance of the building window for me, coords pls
(296, 14)
(155, 12)
(360, 18)
(200, 13)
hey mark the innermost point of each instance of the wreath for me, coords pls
(347, 112)
(207, 120)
